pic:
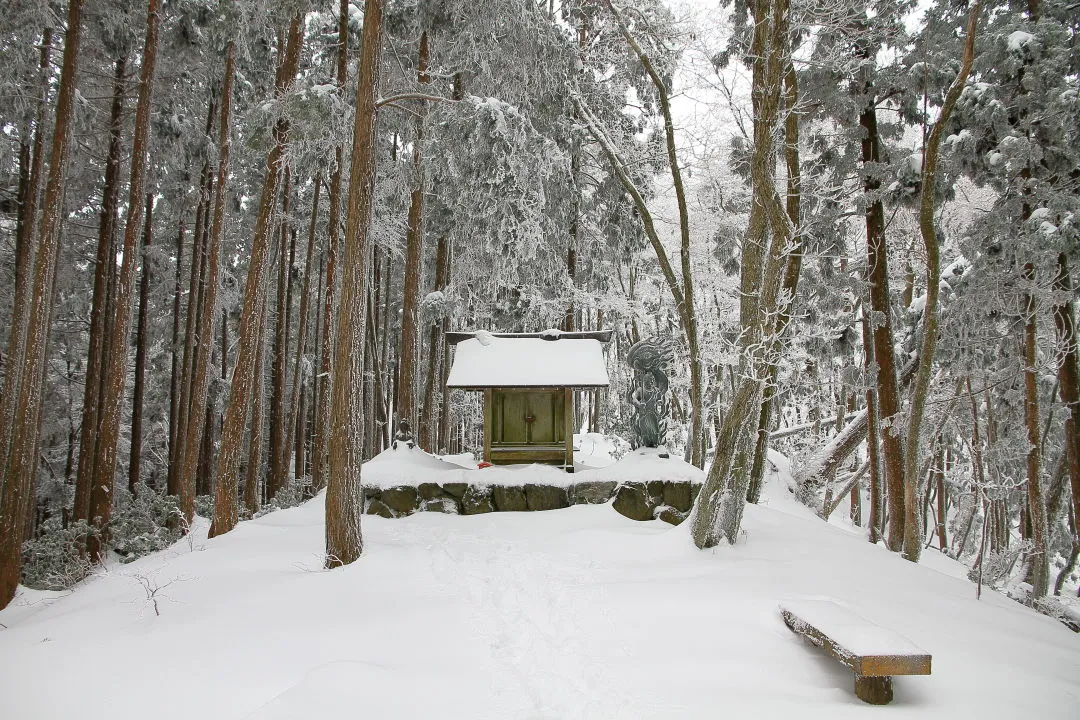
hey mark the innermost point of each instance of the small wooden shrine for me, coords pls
(528, 381)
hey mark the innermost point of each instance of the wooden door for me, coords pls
(527, 417)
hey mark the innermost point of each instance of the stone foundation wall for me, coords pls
(658, 499)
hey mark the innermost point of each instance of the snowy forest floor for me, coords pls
(576, 613)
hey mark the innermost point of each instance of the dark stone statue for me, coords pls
(647, 395)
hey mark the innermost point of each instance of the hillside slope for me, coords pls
(576, 613)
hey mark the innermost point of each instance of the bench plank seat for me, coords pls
(874, 653)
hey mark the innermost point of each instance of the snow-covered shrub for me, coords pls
(291, 494)
(145, 523)
(204, 505)
(56, 559)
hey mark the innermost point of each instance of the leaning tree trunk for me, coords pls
(243, 376)
(722, 499)
(344, 494)
(791, 272)
(913, 532)
(26, 353)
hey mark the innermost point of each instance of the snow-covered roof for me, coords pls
(486, 360)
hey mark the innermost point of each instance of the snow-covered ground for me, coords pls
(576, 613)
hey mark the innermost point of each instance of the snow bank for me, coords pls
(573, 614)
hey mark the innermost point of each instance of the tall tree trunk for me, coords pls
(135, 457)
(429, 417)
(196, 291)
(279, 362)
(322, 389)
(414, 241)
(104, 270)
(1069, 380)
(722, 499)
(243, 376)
(913, 531)
(177, 351)
(194, 432)
(1036, 508)
(116, 356)
(791, 272)
(295, 410)
(887, 393)
(344, 494)
(873, 440)
(26, 353)
(253, 475)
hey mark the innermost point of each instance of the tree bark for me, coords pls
(135, 457)
(1036, 508)
(26, 353)
(279, 363)
(104, 270)
(887, 393)
(791, 271)
(429, 417)
(295, 412)
(196, 291)
(344, 494)
(177, 351)
(414, 239)
(204, 308)
(721, 501)
(1069, 381)
(116, 355)
(322, 386)
(243, 376)
(913, 531)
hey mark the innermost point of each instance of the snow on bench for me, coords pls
(874, 653)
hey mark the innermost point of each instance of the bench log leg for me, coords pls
(873, 690)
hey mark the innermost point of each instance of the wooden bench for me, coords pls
(874, 653)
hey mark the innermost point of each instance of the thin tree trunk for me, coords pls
(913, 532)
(296, 414)
(791, 272)
(104, 270)
(135, 461)
(279, 362)
(116, 355)
(243, 376)
(1036, 509)
(253, 475)
(887, 393)
(322, 393)
(195, 436)
(174, 382)
(721, 501)
(1069, 382)
(196, 291)
(429, 417)
(414, 241)
(344, 494)
(26, 353)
